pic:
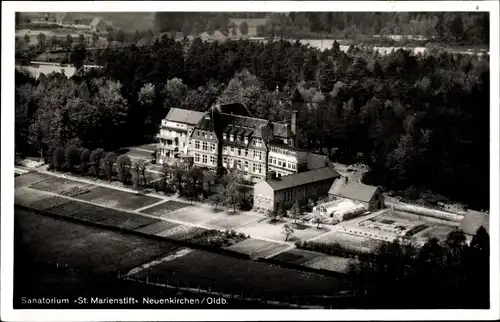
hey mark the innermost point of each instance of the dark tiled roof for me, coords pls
(316, 161)
(473, 220)
(352, 190)
(230, 122)
(184, 116)
(302, 178)
(282, 130)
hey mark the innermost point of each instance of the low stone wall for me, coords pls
(439, 214)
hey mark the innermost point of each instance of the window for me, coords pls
(198, 132)
(246, 139)
(239, 151)
(246, 152)
(238, 164)
(232, 149)
(279, 162)
(212, 159)
(289, 165)
(205, 146)
(246, 165)
(211, 136)
(294, 166)
(224, 161)
(259, 167)
(224, 136)
(197, 157)
(204, 159)
(197, 145)
(254, 168)
(212, 147)
(205, 135)
(231, 137)
(238, 138)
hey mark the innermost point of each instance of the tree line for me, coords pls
(402, 114)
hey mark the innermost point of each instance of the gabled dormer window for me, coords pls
(231, 137)
(224, 136)
(246, 139)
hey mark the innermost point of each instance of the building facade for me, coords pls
(228, 136)
(369, 196)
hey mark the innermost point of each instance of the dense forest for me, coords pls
(421, 122)
(450, 27)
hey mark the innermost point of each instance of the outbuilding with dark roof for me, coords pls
(295, 187)
(370, 196)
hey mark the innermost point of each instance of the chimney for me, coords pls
(271, 175)
(344, 179)
(293, 126)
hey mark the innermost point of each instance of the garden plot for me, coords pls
(49, 202)
(164, 208)
(181, 232)
(117, 198)
(157, 227)
(258, 248)
(274, 231)
(195, 215)
(58, 185)
(348, 241)
(101, 215)
(30, 178)
(438, 231)
(85, 247)
(297, 256)
(330, 263)
(232, 275)
(27, 196)
(234, 221)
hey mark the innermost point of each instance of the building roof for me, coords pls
(317, 161)
(352, 190)
(302, 178)
(282, 130)
(184, 116)
(95, 22)
(473, 220)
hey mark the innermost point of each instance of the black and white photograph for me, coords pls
(262, 157)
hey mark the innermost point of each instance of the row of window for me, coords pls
(240, 138)
(257, 155)
(172, 133)
(279, 173)
(204, 134)
(282, 163)
(203, 158)
(241, 165)
(283, 151)
(204, 145)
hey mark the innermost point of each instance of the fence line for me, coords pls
(199, 290)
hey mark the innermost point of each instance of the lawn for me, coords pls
(117, 198)
(27, 196)
(58, 185)
(30, 178)
(233, 221)
(330, 263)
(97, 250)
(297, 256)
(258, 248)
(232, 275)
(348, 241)
(165, 208)
(101, 215)
(195, 215)
(274, 231)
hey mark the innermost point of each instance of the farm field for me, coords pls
(274, 231)
(238, 276)
(101, 215)
(164, 208)
(26, 196)
(89, 248)
(29, 179)
(116, 198)
(331, 263)
(257, 248)
(58, 185)
(181, 232)
(157, 227)
(297, 256)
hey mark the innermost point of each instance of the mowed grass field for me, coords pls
(95, 250)
(297, 256)
(101, 215)
(257, 248)
(28, 179)
(26, 196)
(264, 229)
(330, 263)
(116, 198)
(232, 275)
